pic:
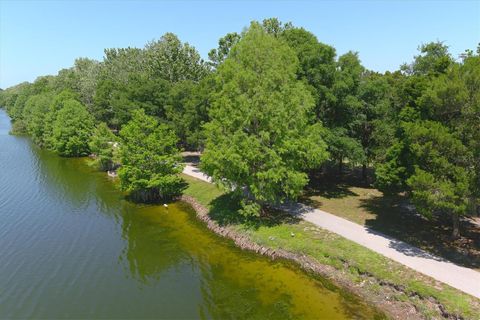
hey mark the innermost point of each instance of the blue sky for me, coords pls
(40, 37)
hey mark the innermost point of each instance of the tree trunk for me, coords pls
(364, 172)
(340, 166)
(456, 226)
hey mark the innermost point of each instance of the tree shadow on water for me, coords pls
(153, 196)
(225, 210)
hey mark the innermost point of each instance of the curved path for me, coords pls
(461, 278)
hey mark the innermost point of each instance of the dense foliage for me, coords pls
(259, 136)
(272, 105)
(150, 159)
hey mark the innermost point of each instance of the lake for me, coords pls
(71, 246)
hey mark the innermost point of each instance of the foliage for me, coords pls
(34, 114)
(172, 60)
(72, 128)
(103, 144)
(259, 139)
(266, 106)
(440, 181)
(150, 159)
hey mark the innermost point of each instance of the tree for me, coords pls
(259, 139)
(187, 111)
(469, 125)
(150, 159)
(433, 59)
(340, 116)
(172, 60)
(440, 182)
(72, 128)
(275, 27)
(87, 72)
(103, 144)
(371, 124)
(34, 114)
(317, 66)
(225, 44)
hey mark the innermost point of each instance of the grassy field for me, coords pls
(347, 197)
(364, 267)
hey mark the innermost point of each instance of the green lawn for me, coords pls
(360, 264)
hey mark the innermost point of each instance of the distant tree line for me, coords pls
(271, 104)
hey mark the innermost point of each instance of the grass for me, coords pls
(360, 264)
(349, 198)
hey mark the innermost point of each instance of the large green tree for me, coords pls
(259, 139)
(71, 130)
(150, 159)
(34, 116)
(440, 181)
(172, 60)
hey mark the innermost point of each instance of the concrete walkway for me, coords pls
(461, 278)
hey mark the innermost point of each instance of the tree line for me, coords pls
(271, 105)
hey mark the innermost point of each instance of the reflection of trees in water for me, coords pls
(233, 283)
(151, 248)
(74, 179)
(64, 177)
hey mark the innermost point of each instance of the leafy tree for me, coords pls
(371, 124)
(440, 181)
(72, 128)
(433, 59)
(469, 123)
(188, 111)
(118, 68)
(103, 144)
(225, 44)
(57, 103)
(172, 60)
(275, 27)
(35, 112)
(259, 139)
(150, 159)
(317, 66)
(87, 72)
(341, 146)
(392, 174)
(340, 117)
(15, 103)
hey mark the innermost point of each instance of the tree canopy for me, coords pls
(259, 138)
(272, 107)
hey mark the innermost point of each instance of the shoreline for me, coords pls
(380, 300)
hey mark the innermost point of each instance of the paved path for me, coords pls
(461, 278)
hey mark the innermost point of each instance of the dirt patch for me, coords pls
(377, 292)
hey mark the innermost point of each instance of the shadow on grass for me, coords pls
(394, 217)
(225, 211)
(332, 185)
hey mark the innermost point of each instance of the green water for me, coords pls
(72, 247)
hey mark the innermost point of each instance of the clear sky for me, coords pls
(40, 37)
